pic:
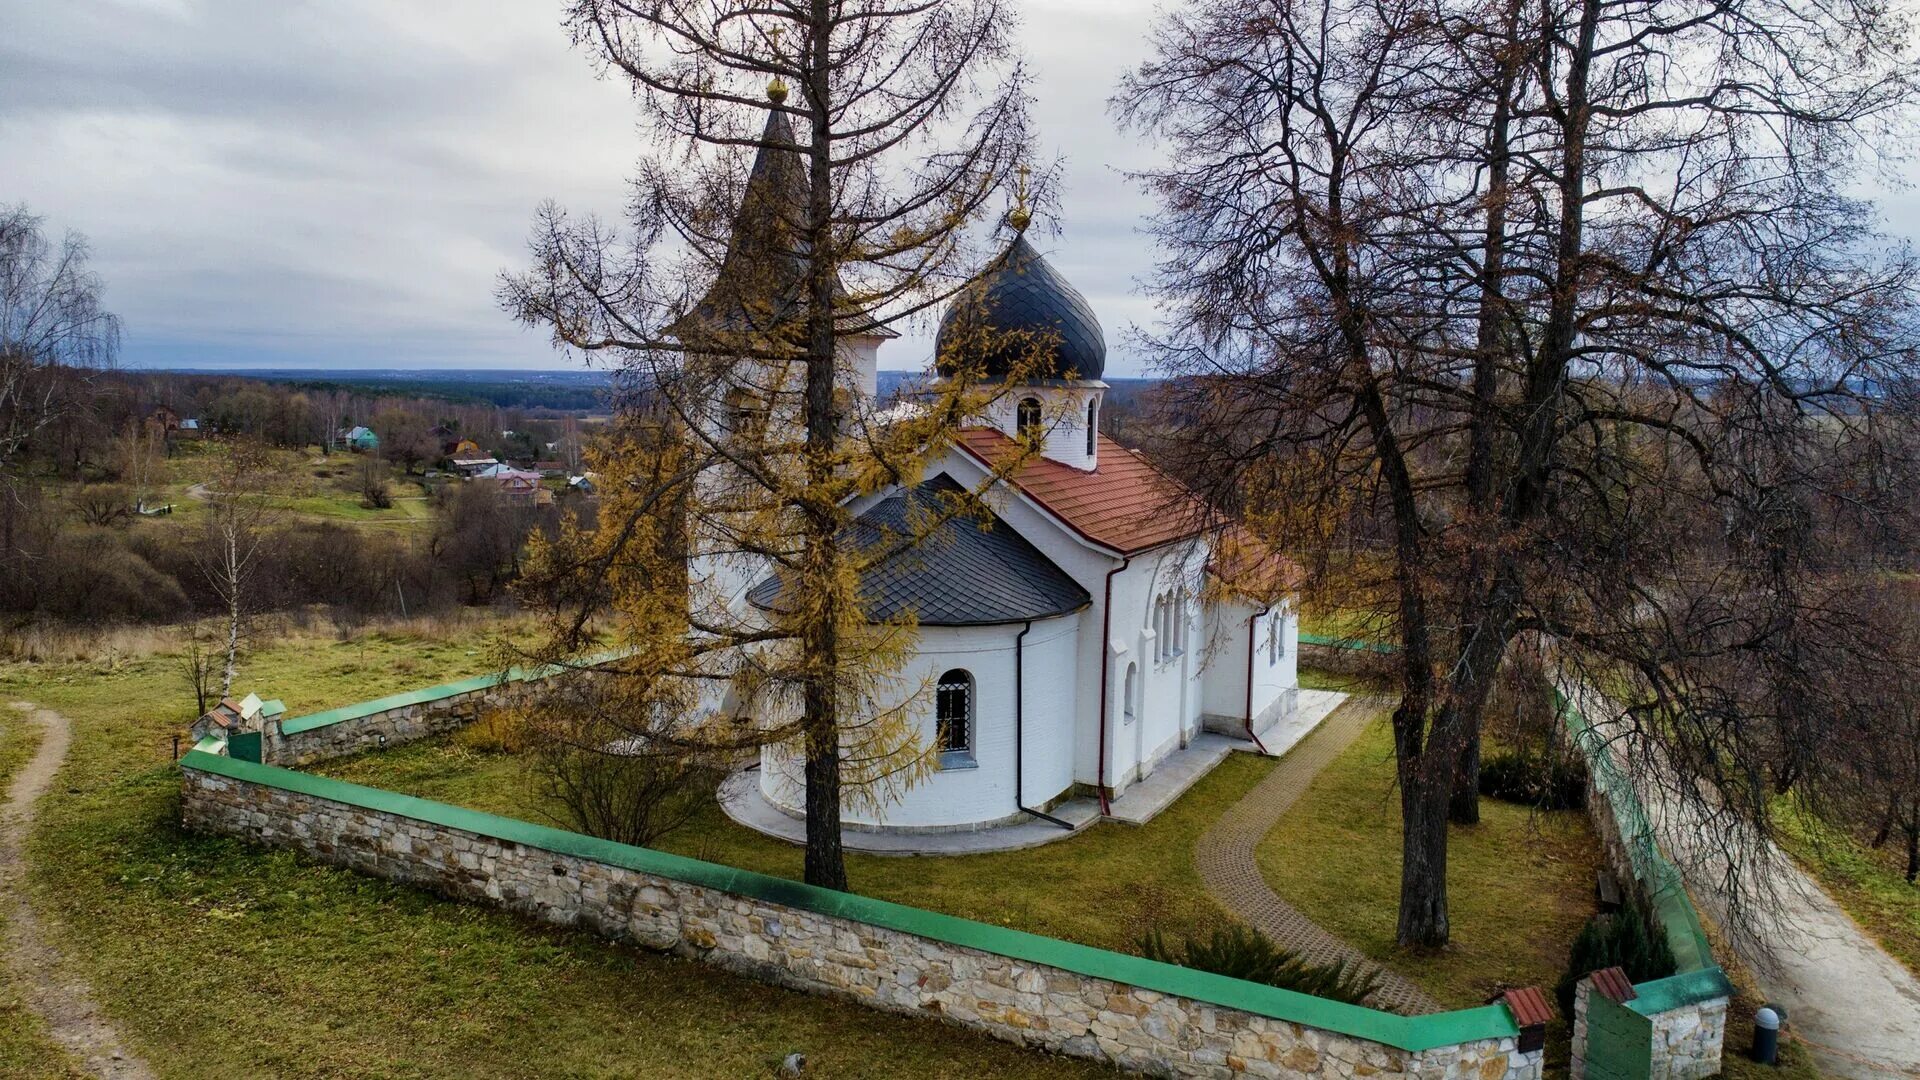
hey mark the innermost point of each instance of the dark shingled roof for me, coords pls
(1019, 304)
(959, 575)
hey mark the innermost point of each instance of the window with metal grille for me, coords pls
(953, 712)
(1028, 415)
(746, 414)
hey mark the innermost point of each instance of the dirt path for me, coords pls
(1856, 1008)
(63, 1001)
(1225, 858)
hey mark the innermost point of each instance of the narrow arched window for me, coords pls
(1027, 416)
(746, 416)
(1159, 628)
(1273, 639)
(1131, 694)
(953, 712)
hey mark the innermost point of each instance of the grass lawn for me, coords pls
(307, 489)
(1098, 888)
(1871, 885)
(218, 959)
(1519, 884)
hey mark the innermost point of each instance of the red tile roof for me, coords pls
(1613, 982)
(1126, 504)
(1249, 567)
(1529, 1006)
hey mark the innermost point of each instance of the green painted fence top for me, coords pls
(1409, 1033)
(1675, 991)
(361, 709)
(1355, 644)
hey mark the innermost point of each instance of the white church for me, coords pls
(1093, 631)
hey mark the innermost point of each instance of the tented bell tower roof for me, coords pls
(760, 288)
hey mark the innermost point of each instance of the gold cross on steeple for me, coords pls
(777, 89)
(1020, 216)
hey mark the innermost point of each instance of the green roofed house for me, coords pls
(359, 438)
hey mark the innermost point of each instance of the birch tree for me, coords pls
(235, 520)
(54, 332)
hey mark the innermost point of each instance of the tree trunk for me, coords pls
(1425, 784)
(1463, 803)
(1463, 806)
(233, 615)
(1886, 825)
(825, 861)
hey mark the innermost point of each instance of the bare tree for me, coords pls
(1542, 320)
(374, 492)
(142, 447)
(610, 780)
(819, 172)
(102, 504)
(236, 517)
(200, 667)
(53, 331)
(403, 438)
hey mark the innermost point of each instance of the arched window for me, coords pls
(953, 712)
(1169, 626)
(1273, 639)
(1132, 693)
(1027, 416)
(1160, 628)
(746, 415)
(1093, 426)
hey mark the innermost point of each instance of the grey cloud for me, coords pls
(337, 182)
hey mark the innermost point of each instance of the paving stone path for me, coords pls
(1225, 858)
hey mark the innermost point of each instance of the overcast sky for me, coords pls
(276, 183)
(337, 183)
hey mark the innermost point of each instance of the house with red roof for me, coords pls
(1099, 623)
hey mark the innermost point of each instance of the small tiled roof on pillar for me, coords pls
(1528, 1005)
(1613, 982)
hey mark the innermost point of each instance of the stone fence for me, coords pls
(1682, 1020)
(387, 721)
(1054, 995)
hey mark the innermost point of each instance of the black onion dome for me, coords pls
(1019, 303)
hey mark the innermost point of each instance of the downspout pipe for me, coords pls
(1252, 622)
(1020, 732)
(1106, 647)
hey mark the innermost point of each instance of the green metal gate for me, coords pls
(244, 746)
(1619, 1041)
